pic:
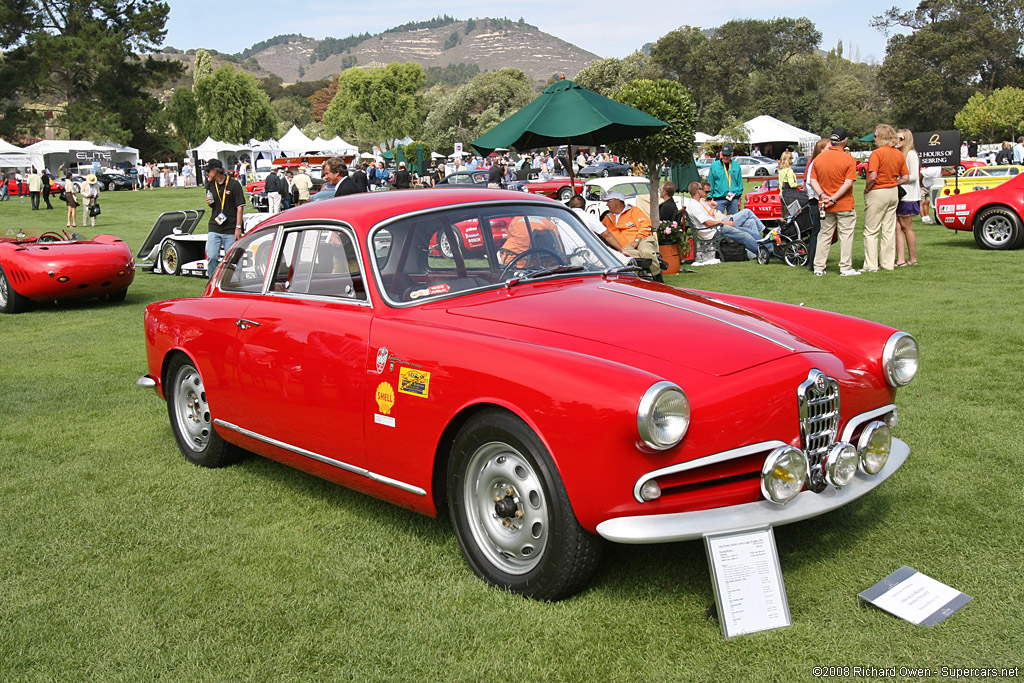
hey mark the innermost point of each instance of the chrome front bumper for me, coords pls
(685, 526)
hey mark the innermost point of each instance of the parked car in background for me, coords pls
(596, 190)
(994, 215)
(605, 169)
(12, 187)
(46, 265)
(476, 179)
(257, 192)
(114, 181)
(519, 388)
(750, 167)
(973, 179)
(556, 187)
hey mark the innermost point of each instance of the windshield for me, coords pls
(433, 255)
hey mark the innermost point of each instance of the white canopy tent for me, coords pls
(214, 149)
(766, 129)
(264, 152)
(339, 146)
(295, 143)
(12, 156)
(52, 154)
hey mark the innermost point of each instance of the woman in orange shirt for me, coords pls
(887, 169)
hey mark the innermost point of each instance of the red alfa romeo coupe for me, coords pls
(38, 265)
(522, 386)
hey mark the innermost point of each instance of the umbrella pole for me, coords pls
(572, 181)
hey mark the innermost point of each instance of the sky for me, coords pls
(601, 26)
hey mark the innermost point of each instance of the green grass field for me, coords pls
(120, 561)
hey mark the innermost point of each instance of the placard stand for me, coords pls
(745, 573)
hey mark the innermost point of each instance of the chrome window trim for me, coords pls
(858, 420)
(219, 284)
(362, 471)
(517, 200)
(703, 314)
(339, 226)
(704, 461)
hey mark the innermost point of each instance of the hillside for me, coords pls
(490, 44)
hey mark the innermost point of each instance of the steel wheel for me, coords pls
(445, 246)
(761, 172)
(997, 228)
(565, 194)
(795, 254)
(191, 411)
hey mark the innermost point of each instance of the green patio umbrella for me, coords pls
(566, 113)
(870, 137)
(390, 154)
(419, 160)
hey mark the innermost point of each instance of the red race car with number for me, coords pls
(51, 266)
(556, 187)
(516, 386)
(993, 215)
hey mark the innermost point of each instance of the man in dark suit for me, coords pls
(336, 173)
(360, 179)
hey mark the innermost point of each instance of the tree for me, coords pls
(955, 48)
(184, 112)
(232, 107)
(670, 102)
(203, 66)
(999, 116)
(376, 106)
(605, 76)
(469, 111)
(21, 70)
(293, 111)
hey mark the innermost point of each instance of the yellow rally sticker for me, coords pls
(385, 397)
(414, 382)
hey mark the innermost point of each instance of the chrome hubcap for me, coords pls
(190, 408)
(3, 289)
(508, 513)
(997, 230)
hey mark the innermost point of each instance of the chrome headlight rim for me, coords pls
(832, 465)
(889, 357)
(769, 465)
(646, 410)
(870, 430)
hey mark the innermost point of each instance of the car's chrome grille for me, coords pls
(818, 400)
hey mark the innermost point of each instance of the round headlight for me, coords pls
(663, 416)
(899, 359)
(874, 446)
(840, 464)
(783, 474)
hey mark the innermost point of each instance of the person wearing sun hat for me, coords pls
(90, 196)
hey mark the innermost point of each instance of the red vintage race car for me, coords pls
(993, 215)
(38, 265)
(556, 187)
(764, 201)
(12, 187)
(517, 386)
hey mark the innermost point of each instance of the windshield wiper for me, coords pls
(554, 270)
(628, 268)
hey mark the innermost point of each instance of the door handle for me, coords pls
(244, 324)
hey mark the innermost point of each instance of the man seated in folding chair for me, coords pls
(697, 212)
(632, 228)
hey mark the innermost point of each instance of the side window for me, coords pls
(247, 264)
(320, 262)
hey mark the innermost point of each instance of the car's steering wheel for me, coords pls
(51, 237)
(532, 250)
(585, 255)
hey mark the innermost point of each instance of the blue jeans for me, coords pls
(743, 237)
(728, 206)
(746, 220)
(214, 242)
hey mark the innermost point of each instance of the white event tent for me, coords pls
(12, 156)
(214, 149)
(52, 154)
(765, 130)
(295, 143)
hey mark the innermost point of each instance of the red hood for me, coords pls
(671, 325)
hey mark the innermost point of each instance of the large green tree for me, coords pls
(232, 108)
(953, 49)
(92, 68)
(375, 106)
(20, 68)
(999, 116)
(670, 102)
(605, 76)
(467, 112)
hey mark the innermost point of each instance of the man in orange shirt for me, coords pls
(887, 170)
(632, 228)
(832, 178)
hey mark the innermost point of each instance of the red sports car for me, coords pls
(556, 187)
(993, 215)
(49, 266)
(764, 201)
(12, 187)
(518, 387)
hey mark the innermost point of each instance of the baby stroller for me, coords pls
(788, 240)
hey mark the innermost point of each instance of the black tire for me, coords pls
(528, 541)
(795, 254)
(763, 255)
(111, 186)
(171, 257)
(565, 194)
(190, 417)
(10, 300)
(998, 228)
(761, 172)
(605, 173)
(118, 296)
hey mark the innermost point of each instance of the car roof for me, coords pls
(364, 210)
(605, 183)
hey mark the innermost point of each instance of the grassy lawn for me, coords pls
(120, 561)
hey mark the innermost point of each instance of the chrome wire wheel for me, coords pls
(506, 508)
(191, 411)
(3, 290)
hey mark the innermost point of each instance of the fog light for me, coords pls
(874, 446)
(783, 474)
(840, 464)
(650, 490)
(892, 419)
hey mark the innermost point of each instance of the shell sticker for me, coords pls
(414, 382)
(385, 397)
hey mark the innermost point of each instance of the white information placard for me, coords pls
(915, 597)
(747, 579)
(458, 148)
